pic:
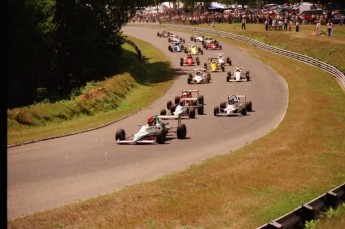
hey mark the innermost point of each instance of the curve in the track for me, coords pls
(59, 171)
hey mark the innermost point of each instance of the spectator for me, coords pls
(285, 24)
(318, 27)
(297, 26)
(266, 25)
(329, 28)
(243, 24)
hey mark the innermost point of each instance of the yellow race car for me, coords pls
(194, 50)
(214, 65)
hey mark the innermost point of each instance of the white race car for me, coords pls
(221, 59)
(155, 131)
(175, 38)
(186, 104)
(197, 38)
(238, 75)
(200, 76)
(236, 105)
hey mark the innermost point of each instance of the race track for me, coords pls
(56, 172)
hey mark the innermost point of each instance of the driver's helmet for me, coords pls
(184, 94)
(213, 61)
(150, 121)
(232, 99)
(237, 69)
(198, 73)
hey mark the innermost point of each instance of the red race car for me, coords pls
(189, 61)
(213, 45)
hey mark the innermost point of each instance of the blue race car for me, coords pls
(175, 47)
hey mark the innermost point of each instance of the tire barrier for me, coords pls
(131, 43)
(303, 58)
(309, 211)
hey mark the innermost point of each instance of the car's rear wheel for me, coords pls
(172, 109)
(244, 111)
(201, 99)
(160, 138)
(181, 131)
(200, 109)
(215, 110)
(249, 106)
(163, 112)
(192, 113)
(120, 135)
(169, 103)
(189, 80)
(222, 105)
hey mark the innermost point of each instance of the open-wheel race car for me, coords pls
(199, 76)
(236, 105)
(222, 60)
(163, 34)
(155, 131)
(186, 104)
(194, 50)
(197, 38)
(214, 65)
(238, 75)
(175, 38)
(213, 45)
(175, 47)
(189, 60)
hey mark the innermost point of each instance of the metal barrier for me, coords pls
(139, 54)
(303, 58)
(309, 211)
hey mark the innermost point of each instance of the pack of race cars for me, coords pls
(190, 102)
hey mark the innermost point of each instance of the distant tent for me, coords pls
(216, 6)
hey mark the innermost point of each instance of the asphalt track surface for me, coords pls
(60, 171)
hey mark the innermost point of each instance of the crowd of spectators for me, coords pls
(272, 19)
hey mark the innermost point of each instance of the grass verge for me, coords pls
(97, 103)
(300, 160)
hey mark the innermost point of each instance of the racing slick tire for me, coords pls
(189, 80)
(215, 110)
(222, 67)
(244, 111)
(169, 103)
(249, 106)
(177, 99)
(192, 113)
(222, 105)
(228, 77)
(120, 135)
(201, 99)
(220, 47)
(208, 78)
(163, 112)
(198, 62)
(205, 66)
(172, 109)
(160, 138)
(191, 38)
(200, 109)
(181, 131)
(247, 76)
(186, 51)
(190, 76)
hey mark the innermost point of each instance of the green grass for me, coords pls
(97, 103)
(295, 163)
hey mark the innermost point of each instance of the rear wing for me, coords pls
(170, 117)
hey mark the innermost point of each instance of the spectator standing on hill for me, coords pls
(266, 25)
(243, 23)
(318, 27)
(329, 28)
(297, 26)
(285, 24)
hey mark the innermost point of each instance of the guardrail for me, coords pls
(303, 58)
(139, 54)
(309, 211)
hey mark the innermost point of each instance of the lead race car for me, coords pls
(197, 38)
(200, 76)
(238, 75)
(163, 34)
(155, 131)
(236, 105)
